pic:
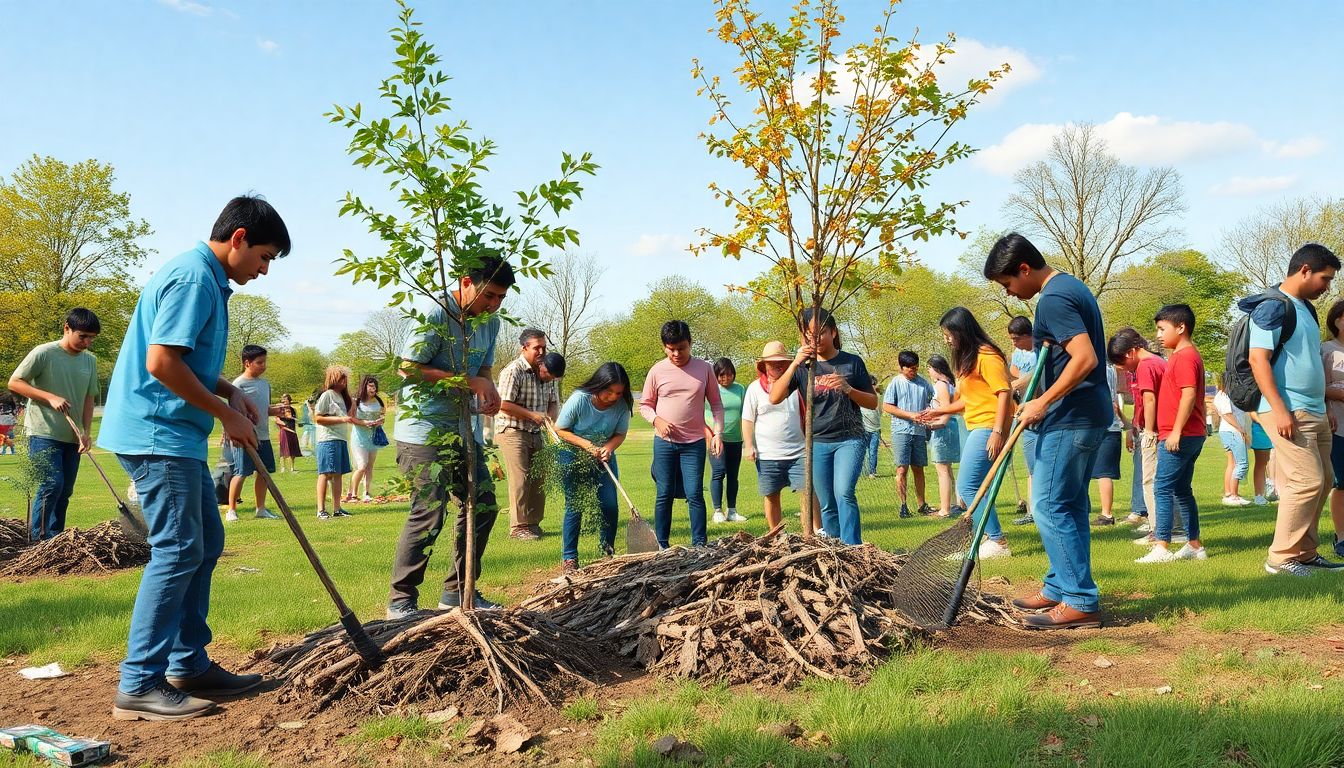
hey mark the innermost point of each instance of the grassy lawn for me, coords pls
(985, 709)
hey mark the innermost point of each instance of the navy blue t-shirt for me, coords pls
(834, 416)
(1066, 308)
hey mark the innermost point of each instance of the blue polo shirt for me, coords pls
(913, 396)
(439, 410)
(1299, 373)
(185, 304)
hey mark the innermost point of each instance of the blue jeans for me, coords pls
(1175, 473)
(835, 474)
(186, 536)
(1234, 444)
(1064, 461)
(60, 467)
(724, 469)
(574, 476)
(874, 441)
(975, 463)
(1136, 502)
(687, 461)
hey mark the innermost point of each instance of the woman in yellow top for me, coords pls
(984, 395)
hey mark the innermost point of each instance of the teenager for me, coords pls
(1106, 471)
(772, 434)
(1128, 351)
(908, 395)
(984, 394)
(1292, 408)
(1232, 433)
(841, 386)
(332, 414)
(60, 379)
(253, 384)
(725, 468)
(674, 399)
(944, 437)
(367, 412)
(1180, 434)
(1071, 415)
(162, 404)
(1332, 358)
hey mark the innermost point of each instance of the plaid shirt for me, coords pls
(520, 385)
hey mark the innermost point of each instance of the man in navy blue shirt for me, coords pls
(1070, 416)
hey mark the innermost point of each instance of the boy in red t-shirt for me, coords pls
(1129, 352)
(1180, 433)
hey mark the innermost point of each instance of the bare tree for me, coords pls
(1259, 246)
(564, 306)
(1095, 212)
(387, 329)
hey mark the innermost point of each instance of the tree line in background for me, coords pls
(68, 238)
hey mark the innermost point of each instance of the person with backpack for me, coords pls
(1278, 344)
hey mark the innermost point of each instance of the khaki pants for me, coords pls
(1149, 450)
(1303, 476)
(527, 496)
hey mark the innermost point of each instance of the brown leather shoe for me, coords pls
(1063, 617)
(1036, 602)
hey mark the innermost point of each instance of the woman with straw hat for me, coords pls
(772, 435)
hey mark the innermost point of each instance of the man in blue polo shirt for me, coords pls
(161, 407)
(1071, 415)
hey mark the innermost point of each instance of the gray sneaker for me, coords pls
(1291, 568)
(164, 702)
(266, 514)
(1323, 564)
(1026, 519)
(449, 600)
(401, 609)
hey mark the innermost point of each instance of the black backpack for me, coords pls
(1241, 387)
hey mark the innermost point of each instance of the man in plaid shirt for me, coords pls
(529, 395)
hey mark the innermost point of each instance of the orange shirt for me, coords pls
(980, 390)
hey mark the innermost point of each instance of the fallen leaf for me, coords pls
(442, 715)
(510, 735)
(1091, 721)
(1052, 745)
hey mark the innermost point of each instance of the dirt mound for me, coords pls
(13, 537)
(77, 551)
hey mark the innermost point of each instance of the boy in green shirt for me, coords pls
(59, 378)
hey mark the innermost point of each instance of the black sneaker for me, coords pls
(609, 550)
(342, 512)
(1339, 547)
(449, 600)
(1322, 563)
(956, 511)
(1022, 507)
(1103, 520)
(905, 511)
(925, 509)
(163, 703)
(216, 681)
(1026, 519)
(322, 515)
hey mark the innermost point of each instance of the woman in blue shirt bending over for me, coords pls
(594, 419)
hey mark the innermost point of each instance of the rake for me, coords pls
(639, 535)
(132, 525)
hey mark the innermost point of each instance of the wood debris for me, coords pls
(79, 551)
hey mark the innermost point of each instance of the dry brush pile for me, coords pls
(79, 551)
(13, 537)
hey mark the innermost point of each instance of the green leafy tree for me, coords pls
(357, 350)
(1259, 246)
(906, 317)
(297, 371)
(839, 145)
(252, 320)
(444, 224)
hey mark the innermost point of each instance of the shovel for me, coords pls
(639, 535)
(132, 524)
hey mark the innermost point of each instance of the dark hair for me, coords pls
(81, 320)
(253, 214)
(492, 268)
(1314, 257)
(555, 364)
(1177, 314)
(1332, 317)
(529, 334)
(252, 352)
(1010, 252)
(907, 359)
(359, 393)
(1019, 326)
(675, 332)
(967, 338)
(939, 364)
(825, 320)
(723, 365)
(606, 375)
(1122, 342)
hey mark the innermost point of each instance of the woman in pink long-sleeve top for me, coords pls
(675, 392)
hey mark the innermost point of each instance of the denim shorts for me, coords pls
(240, 463)
(1108, 457)
(772, 475)
(1259, 438)
(332, 458)
(910, 450)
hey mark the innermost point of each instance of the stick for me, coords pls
(138, 528)
(364, 645)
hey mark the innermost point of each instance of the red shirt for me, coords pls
(1147, 378)
(1184, 369)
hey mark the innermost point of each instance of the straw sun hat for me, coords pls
(774, 351)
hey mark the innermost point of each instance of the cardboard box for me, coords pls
(64, 750)
(15, 738)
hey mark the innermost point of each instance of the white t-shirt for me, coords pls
(778, 429)
(1233, 419)
(258, 390)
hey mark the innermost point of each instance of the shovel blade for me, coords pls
(639, 535)
(132, 523)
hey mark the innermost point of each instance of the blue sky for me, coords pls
(194, 101)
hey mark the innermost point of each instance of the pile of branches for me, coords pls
(773, 609)
(101, 549)
(473, 660)
(13, 537)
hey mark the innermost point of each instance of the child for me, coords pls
(594, 419)
(1128, 351)
(908, 395)
(725, 467)
(984, 393)
(258, 391)
(945, 437)
(333, 418)
(1107, 468)
(1233, 434)
(1020, 367)
(286, 420)
(368, 416)
(1180, 431)
(675, 392)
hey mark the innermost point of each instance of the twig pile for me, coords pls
(13, 537)
(75, 551)
(476, 660)
(774, 609)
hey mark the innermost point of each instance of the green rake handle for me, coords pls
(991, 494)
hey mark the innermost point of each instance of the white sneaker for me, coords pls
(266, 514)
(1232, 501)
(367, 499)
(1242, 501)
(1145, 541)
(718, 516)
(1158, 555)
(1260, 501)
(734, 517)
(1144, 528)
(992, 549)
(822, 534)
(231, 516)
(1190, 553)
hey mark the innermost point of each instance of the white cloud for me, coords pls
(1251, 186)
(268, 46)
(189, 6)
(651, 245)
(1144, 140)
